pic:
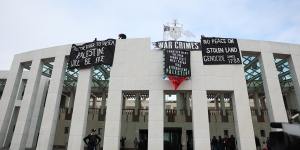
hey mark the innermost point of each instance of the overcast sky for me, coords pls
(33, 24)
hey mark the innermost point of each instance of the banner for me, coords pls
(177, 59)
(177, 45)
(220, 51)
(177, 63)
(177, 66)
(92, 53)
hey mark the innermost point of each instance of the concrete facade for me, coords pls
(138, 67)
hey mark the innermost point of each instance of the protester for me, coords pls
(231, 143)
(220, 144)
(122, 36)
(214, 143)
(92, 140)
(143, 144)
(257, 143)
(123, 139)
(226, 142)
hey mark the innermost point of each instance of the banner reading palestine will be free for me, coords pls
(92, 53)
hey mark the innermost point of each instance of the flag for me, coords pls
(166, 28)
(176, 80)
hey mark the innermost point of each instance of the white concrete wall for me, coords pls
(25, 115)
(137, 67)
(37, 113)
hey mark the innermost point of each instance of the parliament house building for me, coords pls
(46, 105)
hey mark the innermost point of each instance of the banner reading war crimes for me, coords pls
(92, 53)
(178, 45)
(177, 63)
(220, 51)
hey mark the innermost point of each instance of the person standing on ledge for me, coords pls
(122, 36)
(92, 140)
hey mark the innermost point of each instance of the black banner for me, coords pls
(220, 51)
(92, 53)
(177, 63)
(177, 45)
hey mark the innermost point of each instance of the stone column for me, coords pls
(25, 115)
(7, 101)
(183, 139)
(256, 103)
(137, 102)
(21, 89)
(216, 102)
(156, 120)
(113, 118)
(274, 99)
(263, 103)
(222, 104)
(51, 110)
(103, 102)
(12, 123)
(72, 99)
(179, 104)
(243, 122)
(200, 120)
(187, 104)
(80, 110)
(242, 113)
(124, 99)
(37, 113)
(94, 102)
(294, 63)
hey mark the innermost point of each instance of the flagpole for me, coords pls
(164, 33)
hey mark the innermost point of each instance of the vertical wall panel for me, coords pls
(80, 113)
(51, 110)
(274, 99)
(8, 98)
(25, 115)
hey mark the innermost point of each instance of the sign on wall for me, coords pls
(177, 45)
(177, 55)
(177, 63)
(177, 66)
(220, 51)
(92, 53)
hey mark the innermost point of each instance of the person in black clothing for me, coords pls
(226, 142)
(123, 139)
(214, 143)
(220, 144)
(92, 140)
(143, 144)
(268, 143)
(232, 145)
(122, 36)
(257, 143)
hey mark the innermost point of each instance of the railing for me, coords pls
(172, 115)
(132, 111)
